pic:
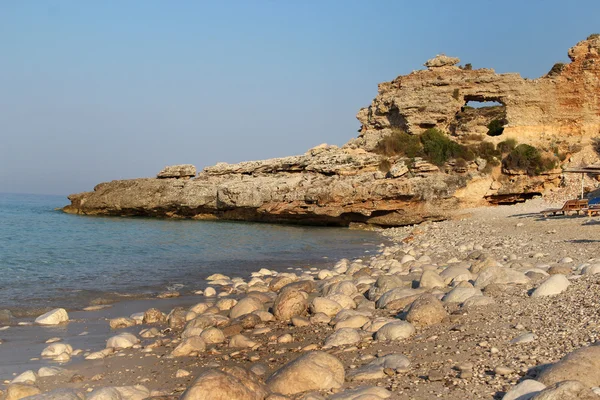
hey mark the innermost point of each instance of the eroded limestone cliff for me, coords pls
(354, 184)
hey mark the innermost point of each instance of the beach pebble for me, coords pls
(212, 335)
(17, 391)
(326, 306)
(395, 330)
(245, 306)
(28, 376)
(566, 390)
(241, 341)
(153, 316)
(300, 321)
(285, 338)
(210, 291)
(189, 345)
(290, 303)
(136, 392)
(320, 318)
(591, 269)
(501, 370)
(149, 333)
(354, 321)
(54, 317)
(524, 390)
(460, 294)
(376, 324)
(168, 294)
(121, 322)
(226, 304)
(342, 337)
(311, 371)
(137, 317)
(478, 301)
(230, 383)
(375, 368)
(217, 277)
(53, 340)
(122, 341)
(426, 310)
(58, 351)
(554, 285)
(363, 393)
(430, 279)
(582, 365)
(59, 394)
(100, 354)
(264, 316)
(50, 371)
(181, 373)
(524, 338)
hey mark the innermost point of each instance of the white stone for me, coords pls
(122, 341)
(395, 330)
(342, 337)
(524, 390)
(554, 285)
(54, 317)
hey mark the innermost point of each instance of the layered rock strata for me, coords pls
(338, 186)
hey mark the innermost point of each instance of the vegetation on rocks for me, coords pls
(507, 146)
(400, 143)
(436, 147)
(528, 158)
(556, 69)
(495, 127)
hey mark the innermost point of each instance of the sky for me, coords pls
(96, 91)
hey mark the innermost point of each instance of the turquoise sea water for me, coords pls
(51, 259)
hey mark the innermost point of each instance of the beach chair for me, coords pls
(593, 208)
(575, 205)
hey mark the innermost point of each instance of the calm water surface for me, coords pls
(48, 258)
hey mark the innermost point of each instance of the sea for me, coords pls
(50, 259)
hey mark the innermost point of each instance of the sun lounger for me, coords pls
(593, 208)
(569, 206)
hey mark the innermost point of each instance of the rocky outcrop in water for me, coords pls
(353, 184)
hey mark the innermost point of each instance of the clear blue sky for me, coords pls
(95, 91)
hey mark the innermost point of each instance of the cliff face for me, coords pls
(565, 103)
(339, 186)
(328, 185)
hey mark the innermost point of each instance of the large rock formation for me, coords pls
(339, 186)
(565, 102)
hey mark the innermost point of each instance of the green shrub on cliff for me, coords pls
(527, 158)
(400, 143)
(495, 127)
(488, 152)
(439, 148)
(507, 146)
(433, 145)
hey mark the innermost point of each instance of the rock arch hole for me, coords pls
(480, 114)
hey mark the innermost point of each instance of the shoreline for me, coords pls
(27, 339)
(468, 353)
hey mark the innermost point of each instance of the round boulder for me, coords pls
(54, 317)
(229, 384)
(314, 370)
(290, 303)
(245, 306)
(426, 310)
(395, 330)
(554, 285)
